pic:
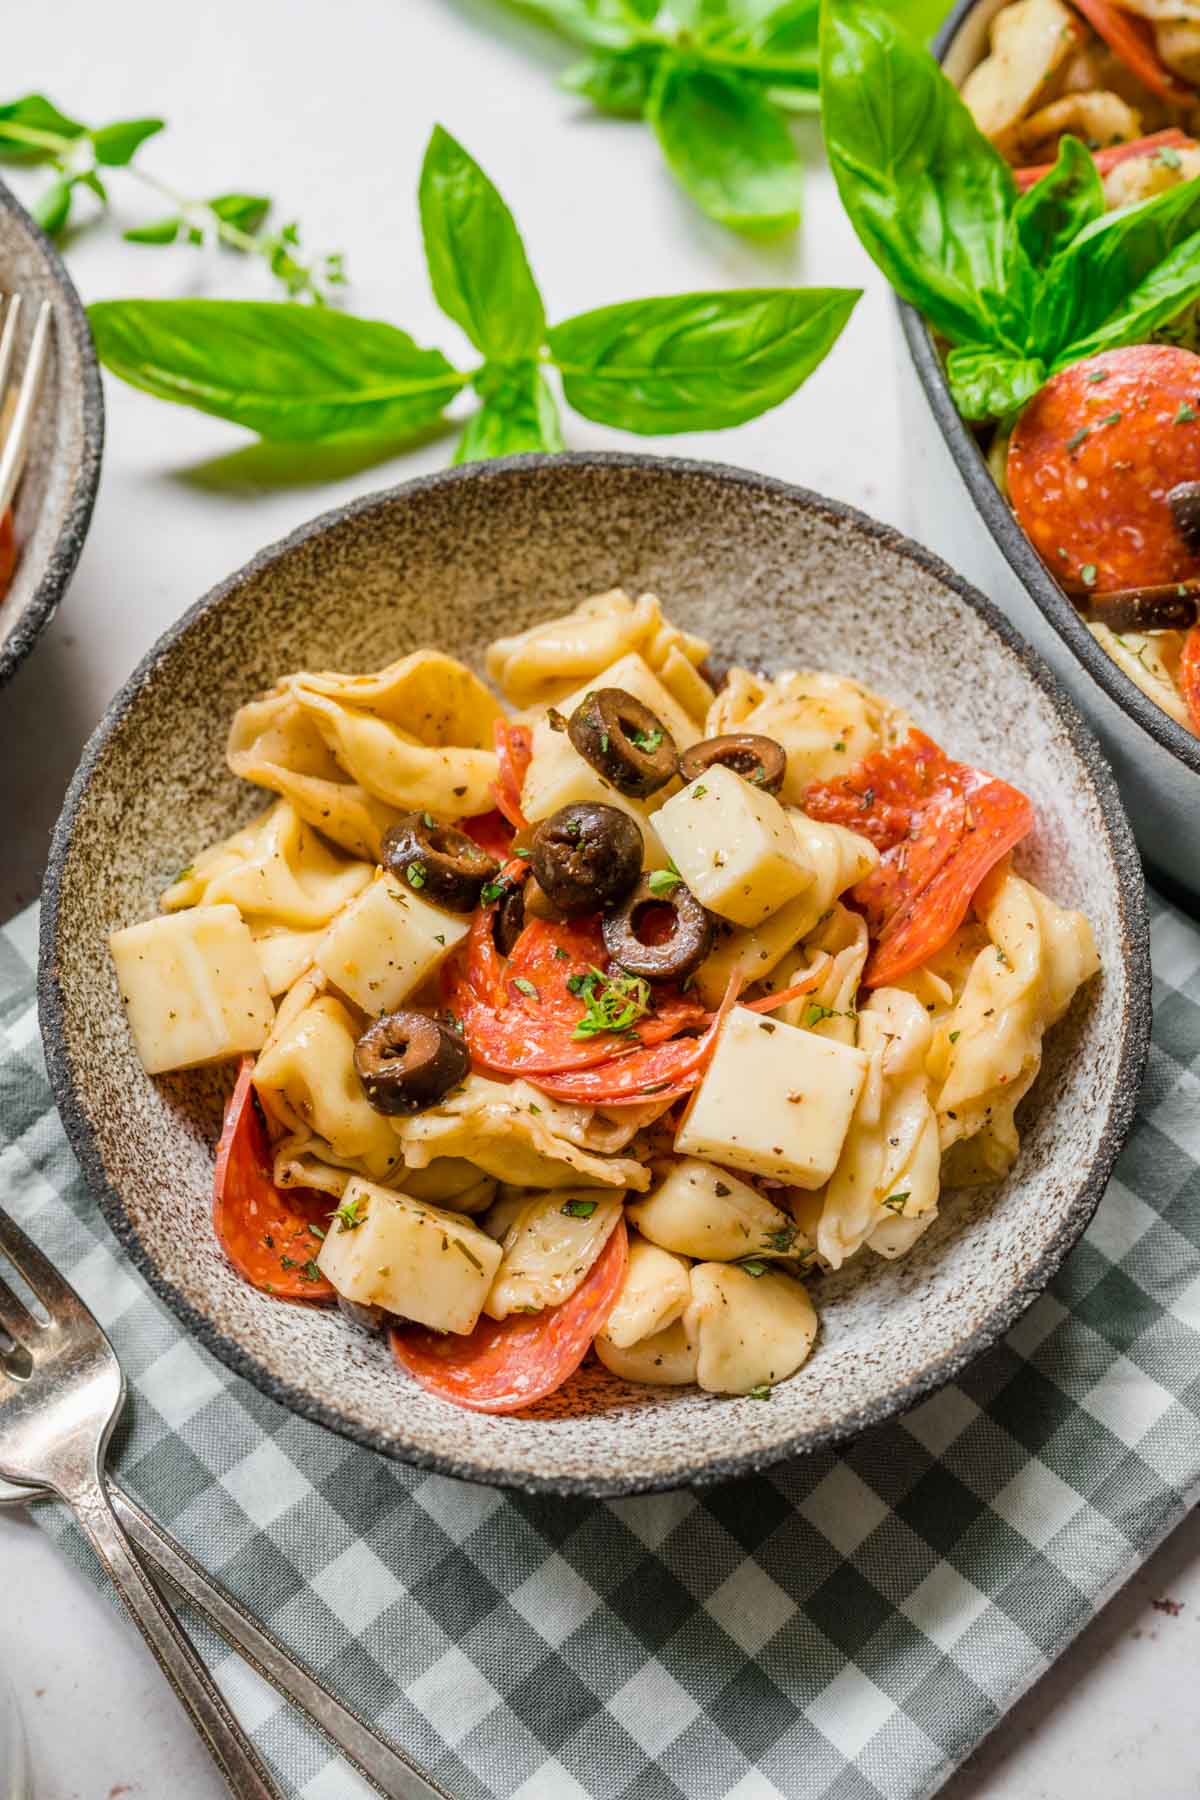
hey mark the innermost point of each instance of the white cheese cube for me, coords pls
(386, 943)
(387, 1249)
(668, 1359)
(751, 1331)
(653, 1294)
(709, 1214)
(775, 1100)
(734, 846)
(193, 987)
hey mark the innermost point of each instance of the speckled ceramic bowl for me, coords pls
(776, 577)
(54, 501)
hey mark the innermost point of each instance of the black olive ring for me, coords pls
(624, 741)
(586, 857)
(407, 1061)
(679, 955)
(440, 862)
(759, 760)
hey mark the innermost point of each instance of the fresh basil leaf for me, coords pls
(696, 362)
(116, 145)
(477, 262)
(35, 114)
(773, 40)
(618, 83)
(52, 208)
(602, 24)
(927, 194)
(727, 145)
(1055, 209)
(245, 211)
(989, 384)
(1089, 283)
(1154, 302)
(159, 231)
(519, 413)
(285, 371)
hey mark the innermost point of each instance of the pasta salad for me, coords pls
(599, 1009)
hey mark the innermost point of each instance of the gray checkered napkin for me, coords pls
(847, 1626)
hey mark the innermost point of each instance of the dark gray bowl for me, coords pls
(54, 502)
(773, 575)
(958, 509)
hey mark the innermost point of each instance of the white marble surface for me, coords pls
(328, 107)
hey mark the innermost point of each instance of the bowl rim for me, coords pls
(1130, 1060)
(1001, 521)
(43, 602)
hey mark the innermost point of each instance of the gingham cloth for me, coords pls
(847, 1626)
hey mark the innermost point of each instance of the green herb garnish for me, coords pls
(578, 1209)
(526, 987)
(753, 1266)
(646, 740)
(663, 882)
(414, 874)
(613, 1002)
(1185, 415)
(895, 1202)
(34, 131)
(348, 1216)
(761, 1392)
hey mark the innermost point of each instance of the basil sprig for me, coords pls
(714, 79)
(685, 362)
(33, 131)
(1020, 285)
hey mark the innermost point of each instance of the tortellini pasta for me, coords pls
(306, 1078)
(351, 752)
(890, 1161)
(549, 1247)
(510, 1137)
(825, 722)
(541, 665)
(990, 1046)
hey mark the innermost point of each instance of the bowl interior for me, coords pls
(54, 502)
(776, 578)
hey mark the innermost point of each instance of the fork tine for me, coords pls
(54, 1293)
(12, 457)
(16, 1318)
(8, 341)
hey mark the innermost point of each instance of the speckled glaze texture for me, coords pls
(54, 501)
(774, 576)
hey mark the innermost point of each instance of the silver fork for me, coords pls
(61, 1392)
(17, 430)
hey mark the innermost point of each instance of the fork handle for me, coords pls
(194, 1687)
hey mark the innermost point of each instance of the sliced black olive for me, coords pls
(508, 921)
(407, 1061)
(586, 856)
(624, 741)
(674, 948)
(1184, 502)
(370, 1318)
(758, 760)
(1170, 608)
(440, 862)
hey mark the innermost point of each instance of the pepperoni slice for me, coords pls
(492, 832)
(1116, 154)
(1092, 460)
(519, 1018)
(514, 751)
(8, 551)
(658, 1072)
(1189, 675)
(507, 1364)
(263, 1230)
(937, 846)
